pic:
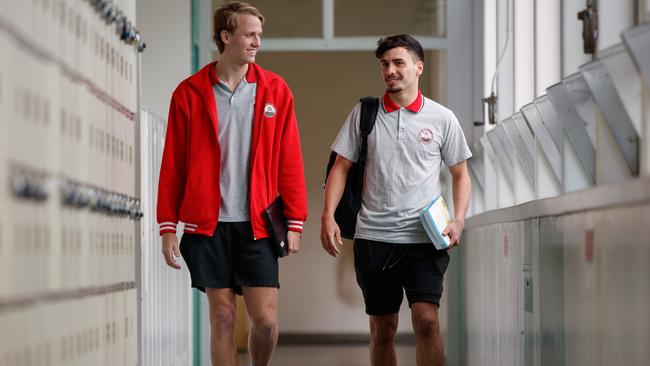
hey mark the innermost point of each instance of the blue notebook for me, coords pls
(435, 218)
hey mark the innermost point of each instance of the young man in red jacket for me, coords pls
(232, 145)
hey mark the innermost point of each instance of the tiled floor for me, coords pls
(328, 355)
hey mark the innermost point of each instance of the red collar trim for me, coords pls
(251, 75)
(415, 106)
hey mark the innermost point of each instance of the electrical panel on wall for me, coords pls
(69, 204)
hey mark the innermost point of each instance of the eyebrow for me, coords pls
(391, 60)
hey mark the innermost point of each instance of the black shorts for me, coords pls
(385, 271)
(230, 258)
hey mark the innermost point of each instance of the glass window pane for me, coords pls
(289, 18)
(383, 17)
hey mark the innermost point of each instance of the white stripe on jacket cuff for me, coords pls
(295, 225)
(166, 227)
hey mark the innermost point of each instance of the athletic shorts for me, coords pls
(230, 258)
(385, 271)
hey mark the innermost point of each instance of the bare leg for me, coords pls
(222, 321)
(382, 341)
(262, 305)
(429, 349)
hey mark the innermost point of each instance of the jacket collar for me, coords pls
(205, 78)
(251, 73)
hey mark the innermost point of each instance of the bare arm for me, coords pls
(461, 191)
(330, 234)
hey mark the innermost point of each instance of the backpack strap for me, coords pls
(369, 108)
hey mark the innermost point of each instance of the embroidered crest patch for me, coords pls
(425, 136)
(269, 110)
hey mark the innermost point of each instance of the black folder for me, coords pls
(276, 223)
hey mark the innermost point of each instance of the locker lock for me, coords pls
(140, 45)
(108, 11)
(79, 195)
(74, 194)
(127, 32)
(120, 22)
(135, 210)
(28, 185)
(123, 27)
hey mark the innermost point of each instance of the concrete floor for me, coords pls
(329, 355)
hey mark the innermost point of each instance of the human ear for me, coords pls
(420, 67)
(225, 37)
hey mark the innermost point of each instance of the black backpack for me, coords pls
(350, 203)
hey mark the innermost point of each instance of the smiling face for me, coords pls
(400, 70)
(242, 44)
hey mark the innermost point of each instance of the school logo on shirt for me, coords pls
(425, 136)
(269, 110)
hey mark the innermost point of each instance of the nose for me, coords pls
(390, 69)
(257, 41)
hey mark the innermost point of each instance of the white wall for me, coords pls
(460, 58)
(579, 255)
(165, 26)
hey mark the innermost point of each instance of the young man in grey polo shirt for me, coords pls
(412, 137)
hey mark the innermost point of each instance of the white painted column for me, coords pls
(524, 50)
(505, 89)
(614, 16)
(490, 52)
(523, 37)
(547, 44)
(644, 168)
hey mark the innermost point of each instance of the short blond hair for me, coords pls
(225, 19)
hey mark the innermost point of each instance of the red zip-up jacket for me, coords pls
(188, 189)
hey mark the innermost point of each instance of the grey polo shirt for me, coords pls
(406, 149)
(235, 120)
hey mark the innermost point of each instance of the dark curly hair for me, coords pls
(399, 40)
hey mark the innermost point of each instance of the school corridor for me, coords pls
(553, 97)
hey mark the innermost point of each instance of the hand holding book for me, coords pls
(277, 226)
(453, 230)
